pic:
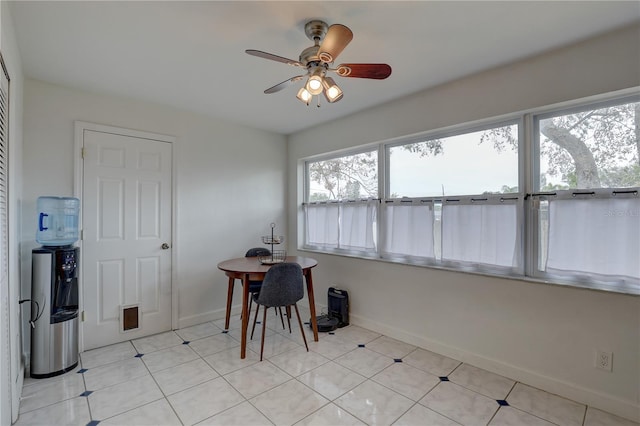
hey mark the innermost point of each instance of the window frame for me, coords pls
(611, 282)
(528, 185)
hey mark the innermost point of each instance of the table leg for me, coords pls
(245, 315)
(229, 300)
(312, 305)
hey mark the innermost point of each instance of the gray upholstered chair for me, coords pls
(282, 287)
(254, 286)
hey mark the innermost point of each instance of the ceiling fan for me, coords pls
(329, 42)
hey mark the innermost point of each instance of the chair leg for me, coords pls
(288, 310)
(281, 317)
(304, 337)
(255, 318)
(264, 327)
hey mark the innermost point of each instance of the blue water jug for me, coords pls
(57, 220)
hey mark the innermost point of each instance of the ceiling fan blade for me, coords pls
(278, 87)
(265, 55)
(376, 71)
(337, 38)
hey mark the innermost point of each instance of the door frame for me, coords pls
(79, 129)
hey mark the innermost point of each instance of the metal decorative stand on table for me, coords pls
(276, 256)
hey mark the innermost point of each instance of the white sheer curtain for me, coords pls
(321, 221)
(408, 230)
(481, 233)
(357, 224)
(342, 225)
(598, 236)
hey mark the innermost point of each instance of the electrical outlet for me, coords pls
(604, 360)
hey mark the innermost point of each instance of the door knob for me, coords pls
(165, 246)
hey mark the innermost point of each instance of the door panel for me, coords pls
(126, 218)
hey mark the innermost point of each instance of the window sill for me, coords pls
(626, 289)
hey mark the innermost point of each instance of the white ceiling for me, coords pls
(191, 54)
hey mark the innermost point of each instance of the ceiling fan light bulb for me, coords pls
(332, 92)
(314, 85)
(304, 95)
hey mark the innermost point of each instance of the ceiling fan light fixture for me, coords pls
(304, 95)
(332, 91)
(314, 85)
(317, 60)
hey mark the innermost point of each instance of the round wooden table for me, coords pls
(250, 269)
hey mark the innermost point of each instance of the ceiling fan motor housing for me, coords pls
(316, 30)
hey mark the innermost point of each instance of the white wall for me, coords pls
(11, 366)
(230, 182)
(544, 335)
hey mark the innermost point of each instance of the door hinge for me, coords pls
(81, 234)
(82, 316)
(82, 152)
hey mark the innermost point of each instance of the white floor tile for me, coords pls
(51, 391)
(420, 415)
(212, 344)
(482, 381)
(330, 415)
(509, 416)
(73, 411)
(431, 362)
(331, 380)
(390, 347)
(597, 417)
(243, 414)
(331, 348)
(184, 376)
(365, 362)
(406, 380)
(229, 360)
(460, 404)
(274, 344)
(114, 373)
(288, 403)
(205, 400)
(298, 361)
(374, 404)
(157, 342)
(547, 406)
(355, 334)
(170, 357)
(123, 397)
(257, 379)
(108, 354)
(152, 414)
(199, 331)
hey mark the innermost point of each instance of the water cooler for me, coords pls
(54, 286)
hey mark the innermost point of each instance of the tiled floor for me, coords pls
(351, 377)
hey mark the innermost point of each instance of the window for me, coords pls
(559, 202)
(342, 203)
(587, 203)
(477, 162)
(452, 200)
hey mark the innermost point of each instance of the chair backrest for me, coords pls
(257, 251)
(282, 285)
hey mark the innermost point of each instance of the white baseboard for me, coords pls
(627, 409)
(204, 317)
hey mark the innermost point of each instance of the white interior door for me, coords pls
(126, 245)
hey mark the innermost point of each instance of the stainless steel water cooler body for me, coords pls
(54, 285)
